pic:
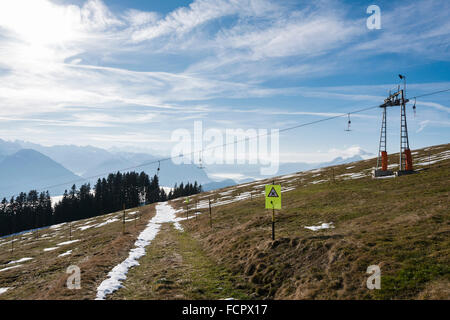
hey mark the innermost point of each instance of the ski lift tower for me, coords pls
(405, 163)
(391, 101)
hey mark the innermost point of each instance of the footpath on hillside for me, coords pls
(175, 267)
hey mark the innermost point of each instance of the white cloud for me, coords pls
(435, 123)
(55, 58)
(434, 105)
(199, 12)
(324, 156)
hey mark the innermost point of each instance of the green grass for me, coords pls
(175, 267)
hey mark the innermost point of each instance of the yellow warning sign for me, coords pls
(273, 196)
(187, 200)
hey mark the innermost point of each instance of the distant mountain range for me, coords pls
(25, 166)
(28, 169)
(83, 164)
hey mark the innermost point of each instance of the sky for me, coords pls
(127, 74)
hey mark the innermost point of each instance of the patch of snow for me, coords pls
(164, 214)
(318, 181)
(357, 175)
(322, 226)
(65, 253)
(67, 242)
(20, 260)
(82, 228)
(3, 290)
(106, 222)
(57, 226)
(8, 268)
(50, 249)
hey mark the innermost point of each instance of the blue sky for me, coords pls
(129, 73)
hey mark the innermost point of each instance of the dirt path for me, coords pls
(176, 267)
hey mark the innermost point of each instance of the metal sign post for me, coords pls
(273, 201)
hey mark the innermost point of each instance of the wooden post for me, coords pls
(123, 219)
(210, 215)
(35, 226)
(12, 244)
(273, 221)
(70, 231)
(187, 211)
(429, 159)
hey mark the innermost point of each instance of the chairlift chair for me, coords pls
(200, 166)
(349, 122)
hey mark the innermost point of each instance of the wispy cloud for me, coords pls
(90, 67)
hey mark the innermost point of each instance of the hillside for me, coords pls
(28, 169)
(400, 224)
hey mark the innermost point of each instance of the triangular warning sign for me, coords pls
(273, 193)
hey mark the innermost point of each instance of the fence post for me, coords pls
(210, 215)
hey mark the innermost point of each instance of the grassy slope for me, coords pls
(176, 267)
(400, 224)
(97, 252)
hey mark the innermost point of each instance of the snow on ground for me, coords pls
(318, 181)
(4, 269)
(50, 249)
(57, 226)
(164, 214)
(82, 228)
(67, 242)
(322, 226)
(3, 290)
(20, 260)
(356, 175)
(106, 222)
(65, 253)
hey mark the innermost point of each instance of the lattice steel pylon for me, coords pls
(405, 158)
(405, 162)
(382, 146)
(404, 141)
(391, 101)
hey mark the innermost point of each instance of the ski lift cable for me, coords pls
(230, 143)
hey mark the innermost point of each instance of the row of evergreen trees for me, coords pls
(26, 211)
(110, 194)
(184, 190)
